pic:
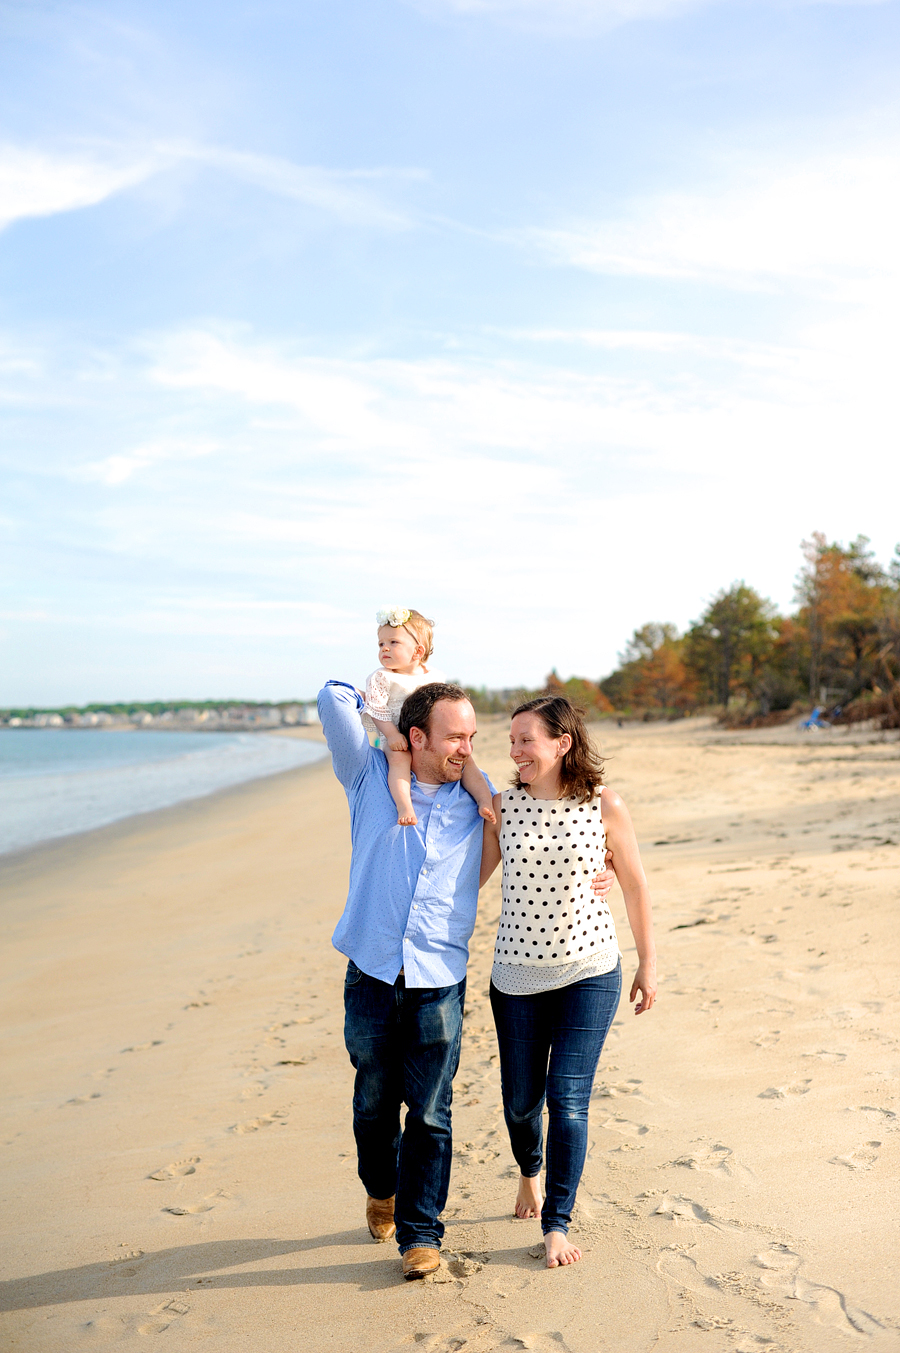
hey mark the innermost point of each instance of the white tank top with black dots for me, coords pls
(550, 919)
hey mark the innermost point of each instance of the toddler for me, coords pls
(404, 646)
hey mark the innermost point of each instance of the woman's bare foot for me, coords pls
(560, 1249)
(529, 1199)
(487, 811)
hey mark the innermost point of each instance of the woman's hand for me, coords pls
(645, 983)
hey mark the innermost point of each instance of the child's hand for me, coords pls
(397, 743)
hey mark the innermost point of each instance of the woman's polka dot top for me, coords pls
(551, 850)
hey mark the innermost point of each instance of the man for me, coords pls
(405, 930)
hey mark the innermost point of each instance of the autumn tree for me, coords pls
(843, 595)
(585, 694)
(652, 674)
(727, 648)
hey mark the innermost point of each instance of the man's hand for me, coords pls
(601, 883)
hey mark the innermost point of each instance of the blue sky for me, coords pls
(548, 317)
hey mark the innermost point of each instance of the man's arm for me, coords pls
(339, 705)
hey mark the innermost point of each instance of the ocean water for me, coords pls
(58, 781)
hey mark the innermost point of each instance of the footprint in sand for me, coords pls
(84, 1099)
(714, 1158)
(466, 1263)
(626, 1127)
(438, 1343)
(684, 1211)
(163, 1315)
(613, 1091)
(824, 1056)
(862, 1158)
(544, 1341)
(778, 1259)
(177, 1167)
(127, 1256)
(828, 1305)
(254, 1124)
(204, 1205)
(782, 1091)
(885, 1118)
(142, 1047)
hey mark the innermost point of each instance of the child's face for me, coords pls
(398, 650)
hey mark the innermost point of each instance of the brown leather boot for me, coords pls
(380, 1218)
(420, 1261)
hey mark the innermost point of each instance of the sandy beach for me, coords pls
(178, 1156)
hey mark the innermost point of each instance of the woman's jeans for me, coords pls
(404, 1043)
(550, 1045)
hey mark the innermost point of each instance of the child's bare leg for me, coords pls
(474, 782)
(399, 769)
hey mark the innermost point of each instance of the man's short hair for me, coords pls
(418, 707)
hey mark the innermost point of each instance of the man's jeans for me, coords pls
(550, 1044)
(404, 1044)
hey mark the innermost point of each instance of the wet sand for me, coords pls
(178, 1154)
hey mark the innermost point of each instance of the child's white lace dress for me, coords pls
(386, 691)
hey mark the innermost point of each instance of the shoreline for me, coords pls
(47, 844)
(114, 835)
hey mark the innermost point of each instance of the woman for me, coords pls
(557, 973)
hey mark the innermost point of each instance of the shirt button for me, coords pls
(415, 906)
(424, 871)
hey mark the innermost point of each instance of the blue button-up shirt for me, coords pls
(413, 890)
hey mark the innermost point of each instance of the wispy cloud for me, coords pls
(39, 182)
(567, 15)
(662, 343)
(829, 224)
(122, 466)
(345, 194)
(266, 474)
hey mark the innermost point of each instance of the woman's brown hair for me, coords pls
(581, 770)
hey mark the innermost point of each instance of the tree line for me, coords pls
(839, 649)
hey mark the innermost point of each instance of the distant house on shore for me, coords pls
(300, 714)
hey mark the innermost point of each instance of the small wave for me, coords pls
(52, 801)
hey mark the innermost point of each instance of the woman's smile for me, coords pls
(537, 755)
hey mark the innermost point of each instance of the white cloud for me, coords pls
(828, 226)
(540, 495)
(40, 183)
(35, 182)
(122, 466)
(662, 343)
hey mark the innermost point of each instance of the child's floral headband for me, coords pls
(395, 616)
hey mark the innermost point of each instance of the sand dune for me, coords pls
(179, 1161)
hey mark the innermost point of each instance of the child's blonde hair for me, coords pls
(414, 622)
(423, 630)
